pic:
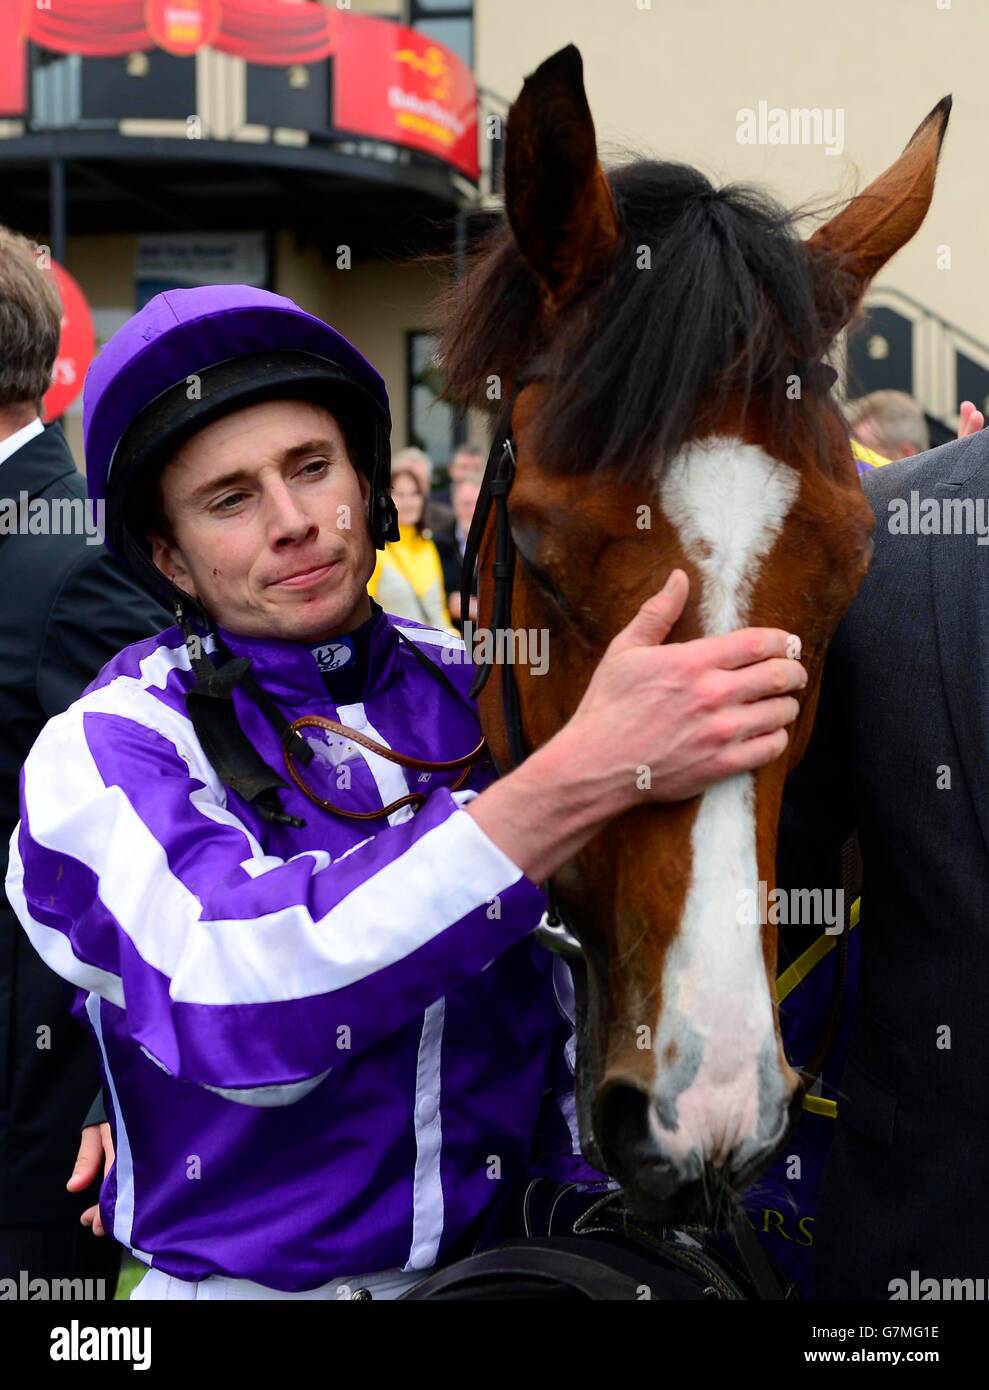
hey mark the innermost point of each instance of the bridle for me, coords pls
(499, 473)
(295, 746)
(554, 932)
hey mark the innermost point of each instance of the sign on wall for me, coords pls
(178, 262)
(420, 94)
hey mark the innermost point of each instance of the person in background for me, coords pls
(970, 420)
(408, 577)
(68, 609)
(908, 776)
(864, 427)
(452, 542)
(467, 462)
(890, 423)
(437, 512)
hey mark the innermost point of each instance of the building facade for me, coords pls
(188, 141)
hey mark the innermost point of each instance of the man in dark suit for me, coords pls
(452, 542)
(66, 608)
(900, 753)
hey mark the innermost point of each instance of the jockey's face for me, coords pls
(268, 520)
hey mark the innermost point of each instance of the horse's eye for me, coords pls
(536, 573)
(584, 628)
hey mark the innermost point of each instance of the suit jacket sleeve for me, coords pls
(97, 611)
(97, 1112)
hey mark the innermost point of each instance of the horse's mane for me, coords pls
(728, 310)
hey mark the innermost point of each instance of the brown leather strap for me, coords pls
(319, 721)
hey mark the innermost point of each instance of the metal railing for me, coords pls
(936, 348)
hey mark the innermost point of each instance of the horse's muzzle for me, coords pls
(695, 1188)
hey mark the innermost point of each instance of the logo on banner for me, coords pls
(181, 27)
(433, 66)
(76, 348)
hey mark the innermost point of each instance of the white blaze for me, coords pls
(728, 501)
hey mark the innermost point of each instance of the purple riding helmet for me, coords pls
(192, 356)
(188, 358)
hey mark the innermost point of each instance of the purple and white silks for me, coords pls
(327, 1050)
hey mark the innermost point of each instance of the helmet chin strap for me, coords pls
(230, 752)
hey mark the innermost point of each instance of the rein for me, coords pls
(292, 739)
(499, 474)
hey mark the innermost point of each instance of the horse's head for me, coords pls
(661, 343)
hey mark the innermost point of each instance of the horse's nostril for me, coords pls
(622, 1128)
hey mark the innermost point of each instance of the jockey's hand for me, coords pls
(656, 723)
(970, 420)
(95, 1150)
(691, 712)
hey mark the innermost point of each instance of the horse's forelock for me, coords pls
(710, 300)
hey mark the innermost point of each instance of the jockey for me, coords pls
(327, 1036)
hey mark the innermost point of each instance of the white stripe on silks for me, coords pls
(265, 1097)
(274, 957)
(427, 1191)
(427, 1188)
(158, 665)
(388, 776)
(432, 637)
(130, 697)
(52, 945)
(123, 1212)
(126, 698)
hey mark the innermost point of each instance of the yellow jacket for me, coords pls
(408, 580)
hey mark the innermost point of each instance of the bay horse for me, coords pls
(658, 344)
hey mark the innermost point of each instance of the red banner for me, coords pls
(259, 31)
(389, 83)
(277, 32)
(398, 85)
(76, 348)
(13, 60)
(94, 28)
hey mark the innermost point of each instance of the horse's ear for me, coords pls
(556, 195)
(859, 240)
